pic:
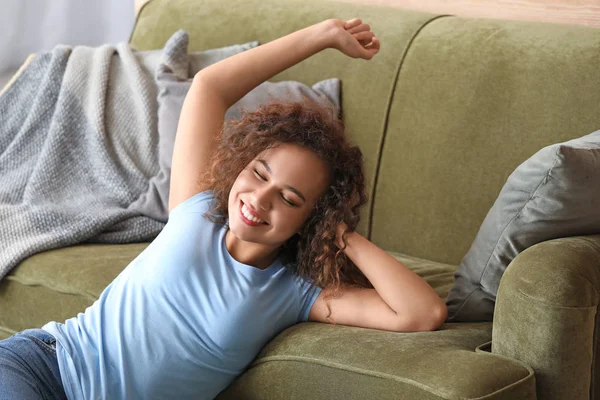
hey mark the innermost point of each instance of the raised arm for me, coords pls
(232, 78)
(219, 86)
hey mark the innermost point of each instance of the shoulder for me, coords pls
(307, 293)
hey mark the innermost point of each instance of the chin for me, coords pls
(237, 227)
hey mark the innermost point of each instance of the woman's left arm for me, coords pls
(401, 289)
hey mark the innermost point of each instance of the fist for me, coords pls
(354, 38)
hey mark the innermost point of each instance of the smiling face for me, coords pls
(280, 187)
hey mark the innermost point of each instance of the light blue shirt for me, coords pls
(182, 320)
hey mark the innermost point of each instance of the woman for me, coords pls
(248, 247)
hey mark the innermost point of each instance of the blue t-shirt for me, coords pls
(182, 320)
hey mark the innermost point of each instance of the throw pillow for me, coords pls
(174, 78)
(553, 194)
(170, 65)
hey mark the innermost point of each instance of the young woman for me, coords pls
(261, 240)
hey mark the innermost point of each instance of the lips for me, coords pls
(246, 220)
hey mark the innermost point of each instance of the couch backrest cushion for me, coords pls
(474, 99)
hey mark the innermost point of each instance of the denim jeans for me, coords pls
(29, 367)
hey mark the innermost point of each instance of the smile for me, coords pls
(247, 217)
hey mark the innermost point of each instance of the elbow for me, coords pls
(440, 316)
(199, 80)
(432, 322)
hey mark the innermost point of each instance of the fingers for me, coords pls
(373, 47)
(352, 23)
(359, 28)
(364, 36)
(370, 44)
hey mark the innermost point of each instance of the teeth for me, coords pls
(250, 216)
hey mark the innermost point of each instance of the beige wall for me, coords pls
(583, 12)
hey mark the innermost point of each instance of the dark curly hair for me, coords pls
(312, 253)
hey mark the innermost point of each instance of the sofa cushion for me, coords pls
(322, 361)
(553, 194)
(57, 284)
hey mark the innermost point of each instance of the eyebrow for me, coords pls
(293, 189)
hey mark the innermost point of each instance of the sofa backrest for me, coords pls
(443, 114)
(473, 100)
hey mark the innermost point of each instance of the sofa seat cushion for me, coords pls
(322, 361)
(57, 284)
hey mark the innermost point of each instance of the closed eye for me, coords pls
(283, 198)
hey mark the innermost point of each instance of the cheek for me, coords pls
(242, 181)
(295, 221)
(286, 220)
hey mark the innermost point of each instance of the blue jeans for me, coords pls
(29, 367)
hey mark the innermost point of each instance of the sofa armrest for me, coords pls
(545, 315)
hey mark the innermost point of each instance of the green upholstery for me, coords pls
(443, 114)
(313, 360)
(57, 284)
(474, 99)
(546, 315)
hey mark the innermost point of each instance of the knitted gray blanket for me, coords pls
(78, 145)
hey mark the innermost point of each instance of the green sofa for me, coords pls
(443, 114)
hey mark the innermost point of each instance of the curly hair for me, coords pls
(313, 253)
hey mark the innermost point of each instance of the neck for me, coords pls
(254, 254)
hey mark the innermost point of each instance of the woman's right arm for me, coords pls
(220, 85)
(202, 116)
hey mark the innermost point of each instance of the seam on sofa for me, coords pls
(362, 371)
(553, 305)
(137, 18)
(387, 118)
(593, 367)
(6, 330)
(89, 296)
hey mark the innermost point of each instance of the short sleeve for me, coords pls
(308, 293)
(198, 203)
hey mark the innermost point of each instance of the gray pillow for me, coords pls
(553, 194)
(170, 65)
(174, 78)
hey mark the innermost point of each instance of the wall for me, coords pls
(29, 26)
(579, 12)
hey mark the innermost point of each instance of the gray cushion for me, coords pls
(173, 64)
(553, 194)
(174, 78)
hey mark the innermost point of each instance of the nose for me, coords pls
(259, 199)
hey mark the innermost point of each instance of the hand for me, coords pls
(338, 235)
(354, 38)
